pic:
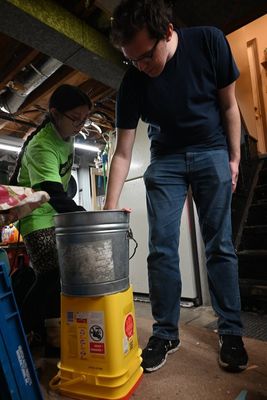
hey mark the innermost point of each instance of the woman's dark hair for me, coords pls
(131, 16)
(64, 98)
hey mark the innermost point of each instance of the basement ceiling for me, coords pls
(31, 68)
(27, 80)
(227, 15)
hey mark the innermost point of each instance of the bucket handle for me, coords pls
(55, 383)
(130, 236)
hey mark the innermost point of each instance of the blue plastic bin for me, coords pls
(18, 380)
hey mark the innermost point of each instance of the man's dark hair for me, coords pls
(131, 16)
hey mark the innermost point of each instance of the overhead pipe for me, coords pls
(8, 117)
(28, 79)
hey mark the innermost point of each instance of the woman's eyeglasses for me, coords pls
(75, 122)
(144, 58)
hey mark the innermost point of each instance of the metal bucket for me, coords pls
(93, 249)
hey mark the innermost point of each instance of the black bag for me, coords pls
(22, 280)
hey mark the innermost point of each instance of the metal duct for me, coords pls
(28, 79)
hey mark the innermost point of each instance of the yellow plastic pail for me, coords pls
(100, 357)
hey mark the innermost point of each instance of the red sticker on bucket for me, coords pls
(98, 348)
(129, 326)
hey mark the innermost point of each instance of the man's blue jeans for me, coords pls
(167, 180)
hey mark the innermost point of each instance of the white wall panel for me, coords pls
(133, 196)
(141, 152)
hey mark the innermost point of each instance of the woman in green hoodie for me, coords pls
(45, 163)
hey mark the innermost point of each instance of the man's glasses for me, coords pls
(77, 123)
(144, 58)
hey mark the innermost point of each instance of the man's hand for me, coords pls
(128, 210)
(106, 208)
(234, 166)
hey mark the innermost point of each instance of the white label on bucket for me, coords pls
(81, 337)
(87, 262)
(96, 332)
(81, 317)
(125, 345)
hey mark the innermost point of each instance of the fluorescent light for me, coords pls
(81, 146)
(86, 147)
(10, 148)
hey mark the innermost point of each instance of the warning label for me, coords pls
(98, 348)
(96, 332)
(81, 317)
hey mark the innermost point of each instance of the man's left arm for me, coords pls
(231, 120)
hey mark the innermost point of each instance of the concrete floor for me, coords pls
(192, 373)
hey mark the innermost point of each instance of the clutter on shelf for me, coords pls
(16, 202)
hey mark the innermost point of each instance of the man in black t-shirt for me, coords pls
(182, 83)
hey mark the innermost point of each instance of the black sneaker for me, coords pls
(233, 356)
(155, 353)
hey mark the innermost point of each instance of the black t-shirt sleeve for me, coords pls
(59, 199)
(128, 101)
(225, 66)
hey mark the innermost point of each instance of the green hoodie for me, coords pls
(47, 158)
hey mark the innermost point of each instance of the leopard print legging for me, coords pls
(42, 250)
(43, 301)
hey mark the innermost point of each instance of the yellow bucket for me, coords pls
(100, 357)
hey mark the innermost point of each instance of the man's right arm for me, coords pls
(119, 167)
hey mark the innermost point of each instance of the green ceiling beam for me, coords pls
(54, 16)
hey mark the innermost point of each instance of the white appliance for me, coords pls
(133, 196)
(74, 173)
